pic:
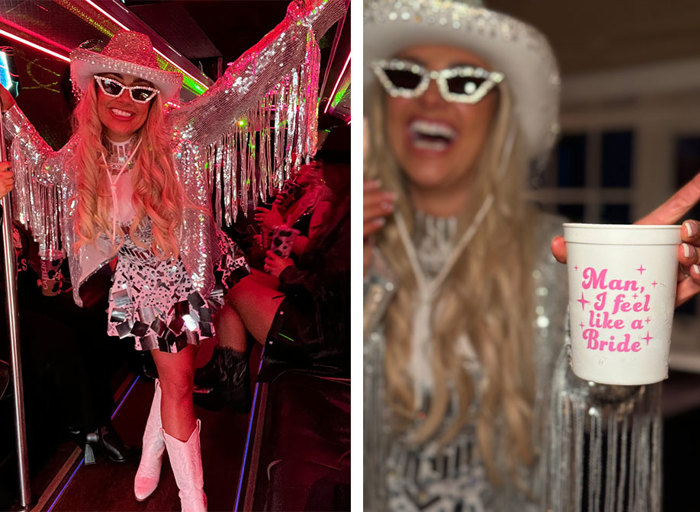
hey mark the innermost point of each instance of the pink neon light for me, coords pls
(34, 45)
(34, 34)
(337, 82)
(105, 13)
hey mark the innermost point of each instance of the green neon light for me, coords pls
(340, 94)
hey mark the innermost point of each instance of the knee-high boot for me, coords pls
(186, 461)
(148, 474)
(227, 375)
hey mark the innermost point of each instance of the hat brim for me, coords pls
(85, 65)
(514, 48)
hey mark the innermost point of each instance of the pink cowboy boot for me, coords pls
(148, 474)
(186, 461)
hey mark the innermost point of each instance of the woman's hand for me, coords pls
(268, 218)
(7, 180)
(689, 250)
(6, 99)
(274, 265)
(377, 204)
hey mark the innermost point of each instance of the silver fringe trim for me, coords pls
(252, 159)
(604, 446)
(36, 204)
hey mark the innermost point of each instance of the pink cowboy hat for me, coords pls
(129, 53)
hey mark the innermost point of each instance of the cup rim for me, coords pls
(620, 226)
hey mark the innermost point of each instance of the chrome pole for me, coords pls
(15, 359)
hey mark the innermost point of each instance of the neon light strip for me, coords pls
(247, 440)
(65, 486)
(125, 395)
(6, 78)
(34, 34)
(9, 35)
(340, 94)
(105, 13)
(335, 87)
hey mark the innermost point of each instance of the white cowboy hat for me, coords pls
(128, 53)
(513, 47)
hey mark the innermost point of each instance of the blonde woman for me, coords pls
(134, 184)
(469, 404)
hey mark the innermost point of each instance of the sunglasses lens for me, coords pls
(403, 79)
(142, 94)
(111, 87)
(465, 85)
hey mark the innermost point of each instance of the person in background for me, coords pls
(303, 320)
(295, 207)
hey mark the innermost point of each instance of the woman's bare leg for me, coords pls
(176, 374)
(230, 330)
(255, 305)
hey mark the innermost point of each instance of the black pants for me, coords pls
(67, 362)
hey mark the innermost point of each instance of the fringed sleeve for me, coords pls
(605, 446)
(379, 289)
(39, 178)
(600, 445)
(259, 120)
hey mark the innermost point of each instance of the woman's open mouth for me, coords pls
(431, 135)
(120, 114)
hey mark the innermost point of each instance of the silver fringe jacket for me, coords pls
(240, 139)
(598, 447)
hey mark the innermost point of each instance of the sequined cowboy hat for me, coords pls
(129, 53)
(512, 47)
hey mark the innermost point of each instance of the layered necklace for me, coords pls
(121, 157)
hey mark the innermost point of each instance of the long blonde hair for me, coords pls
(487, 295)
(158, 194)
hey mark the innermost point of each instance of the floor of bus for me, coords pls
(62, 482)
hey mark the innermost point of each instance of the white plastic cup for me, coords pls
(622, 289)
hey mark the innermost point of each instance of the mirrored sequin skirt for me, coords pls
(154, 302)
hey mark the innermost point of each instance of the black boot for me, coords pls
(106, 439)
(224, 380)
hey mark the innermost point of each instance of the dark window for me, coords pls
(572, 212)
(616, 159)
(571, 161)
(615, 214)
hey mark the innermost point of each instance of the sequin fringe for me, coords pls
(252, 159)
(36, 205)
(604, 447)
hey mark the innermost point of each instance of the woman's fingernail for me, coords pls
(696, 269)
(690, 228)
(387, 206)
(686, 250)
(380, 221)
